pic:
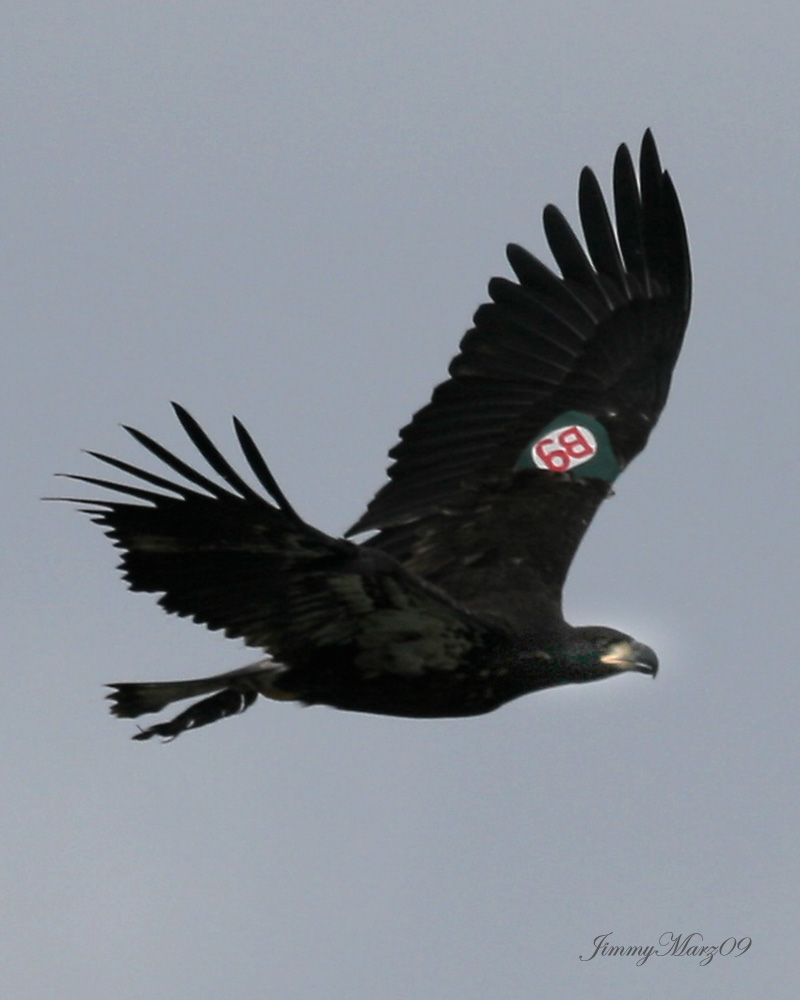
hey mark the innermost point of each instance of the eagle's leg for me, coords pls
(233, 692)
(218, 706)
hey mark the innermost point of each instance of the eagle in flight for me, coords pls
(452, 606)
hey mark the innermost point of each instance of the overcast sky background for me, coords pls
(289, 211)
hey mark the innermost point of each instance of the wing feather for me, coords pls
(600, 337)
(247, 564)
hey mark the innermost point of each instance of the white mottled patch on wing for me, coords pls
(330, 613)
(410, 643)
(349, 588)
(394, 625)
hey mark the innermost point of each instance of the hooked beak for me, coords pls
(632, 656)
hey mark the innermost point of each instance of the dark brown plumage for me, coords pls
(453, 606)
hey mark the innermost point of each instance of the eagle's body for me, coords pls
(453, 606)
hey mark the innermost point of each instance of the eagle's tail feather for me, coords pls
(231, 693)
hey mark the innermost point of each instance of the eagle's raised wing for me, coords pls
(555, 390)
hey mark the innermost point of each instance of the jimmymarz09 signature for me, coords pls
(677, 945)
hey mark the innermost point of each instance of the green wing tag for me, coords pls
(574, 443)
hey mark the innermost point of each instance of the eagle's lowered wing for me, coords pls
(235, 560)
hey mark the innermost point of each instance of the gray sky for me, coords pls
(290, 211)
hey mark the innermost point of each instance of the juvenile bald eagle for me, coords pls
(453, 606)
